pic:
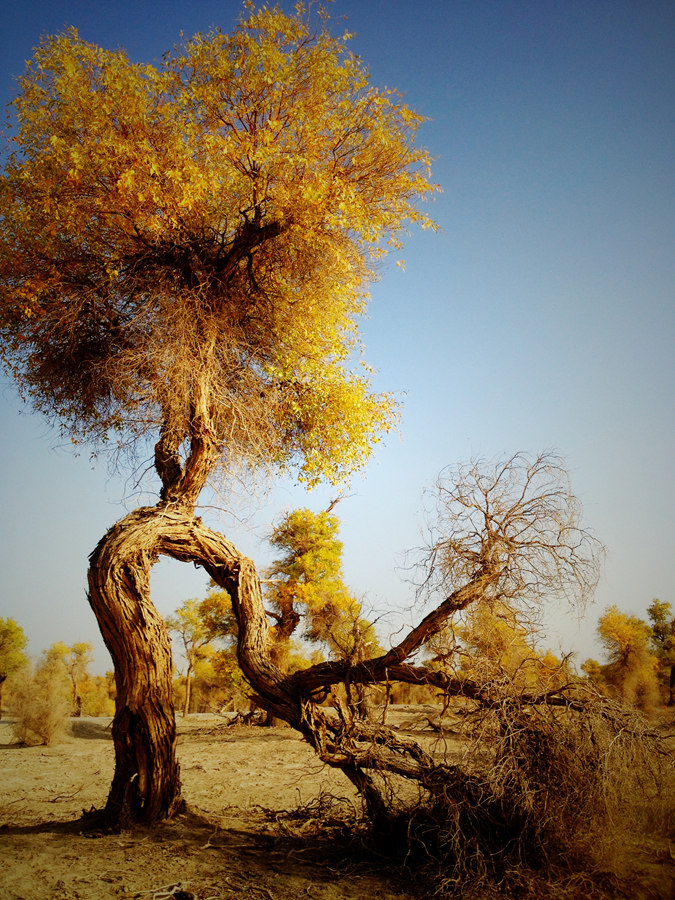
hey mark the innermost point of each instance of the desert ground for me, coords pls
(254, 796)
(234, 840)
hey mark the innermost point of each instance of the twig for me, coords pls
(65, 796)
(165, 892)
(264, 890)
(208, 845)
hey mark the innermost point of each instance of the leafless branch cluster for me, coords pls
(515, 523)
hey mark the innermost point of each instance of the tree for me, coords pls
(663, 641)
(230, 677)
(184, 255)
(96, 699)
(490, 644)
(202, 624)
(41, 701)
(76, 661)
(217, 616)
(188, 622)
(593, 670)
(12, 657)
(631, 667)
(306, 584)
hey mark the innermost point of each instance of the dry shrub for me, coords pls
(540, 804)
(40, 705)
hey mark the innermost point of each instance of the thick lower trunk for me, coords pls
(671, 687)
(146, 783)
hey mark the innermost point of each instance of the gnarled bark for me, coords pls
(146, 783)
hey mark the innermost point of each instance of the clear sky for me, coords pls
(541, 315)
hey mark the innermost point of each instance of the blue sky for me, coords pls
(541, 315)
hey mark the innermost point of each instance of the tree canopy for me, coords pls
(12, 644)
(512, 526)
(306, 584)
(631, 668)
(185, 248)
(306, 579)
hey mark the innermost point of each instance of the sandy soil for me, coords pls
(226, 846)
(236, 839)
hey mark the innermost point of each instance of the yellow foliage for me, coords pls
(632, 667)
(206, 227)
(95, 695)
(493, 645)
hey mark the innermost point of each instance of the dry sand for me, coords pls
(225, 846)
(234, 841)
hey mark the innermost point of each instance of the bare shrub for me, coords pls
(542, 797)
(40, 705)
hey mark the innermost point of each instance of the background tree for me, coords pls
(663, 642)
(188, 625)
(76, 661)
(491, 644)
(305, 583)
(631, 668)
(96, 696)
(593, 670)
(208, 693)
(305, 586)
(198, 623)
(231, 679)
(12, 657)
(221, 672)
(184, 252)
(208, 629)
(217, 616)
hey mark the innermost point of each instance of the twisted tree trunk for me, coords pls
(146, 784)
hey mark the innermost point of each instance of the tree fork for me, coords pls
(146, 783)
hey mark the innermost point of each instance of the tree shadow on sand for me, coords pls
(289, 852)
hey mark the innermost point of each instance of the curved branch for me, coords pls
(383, 667)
